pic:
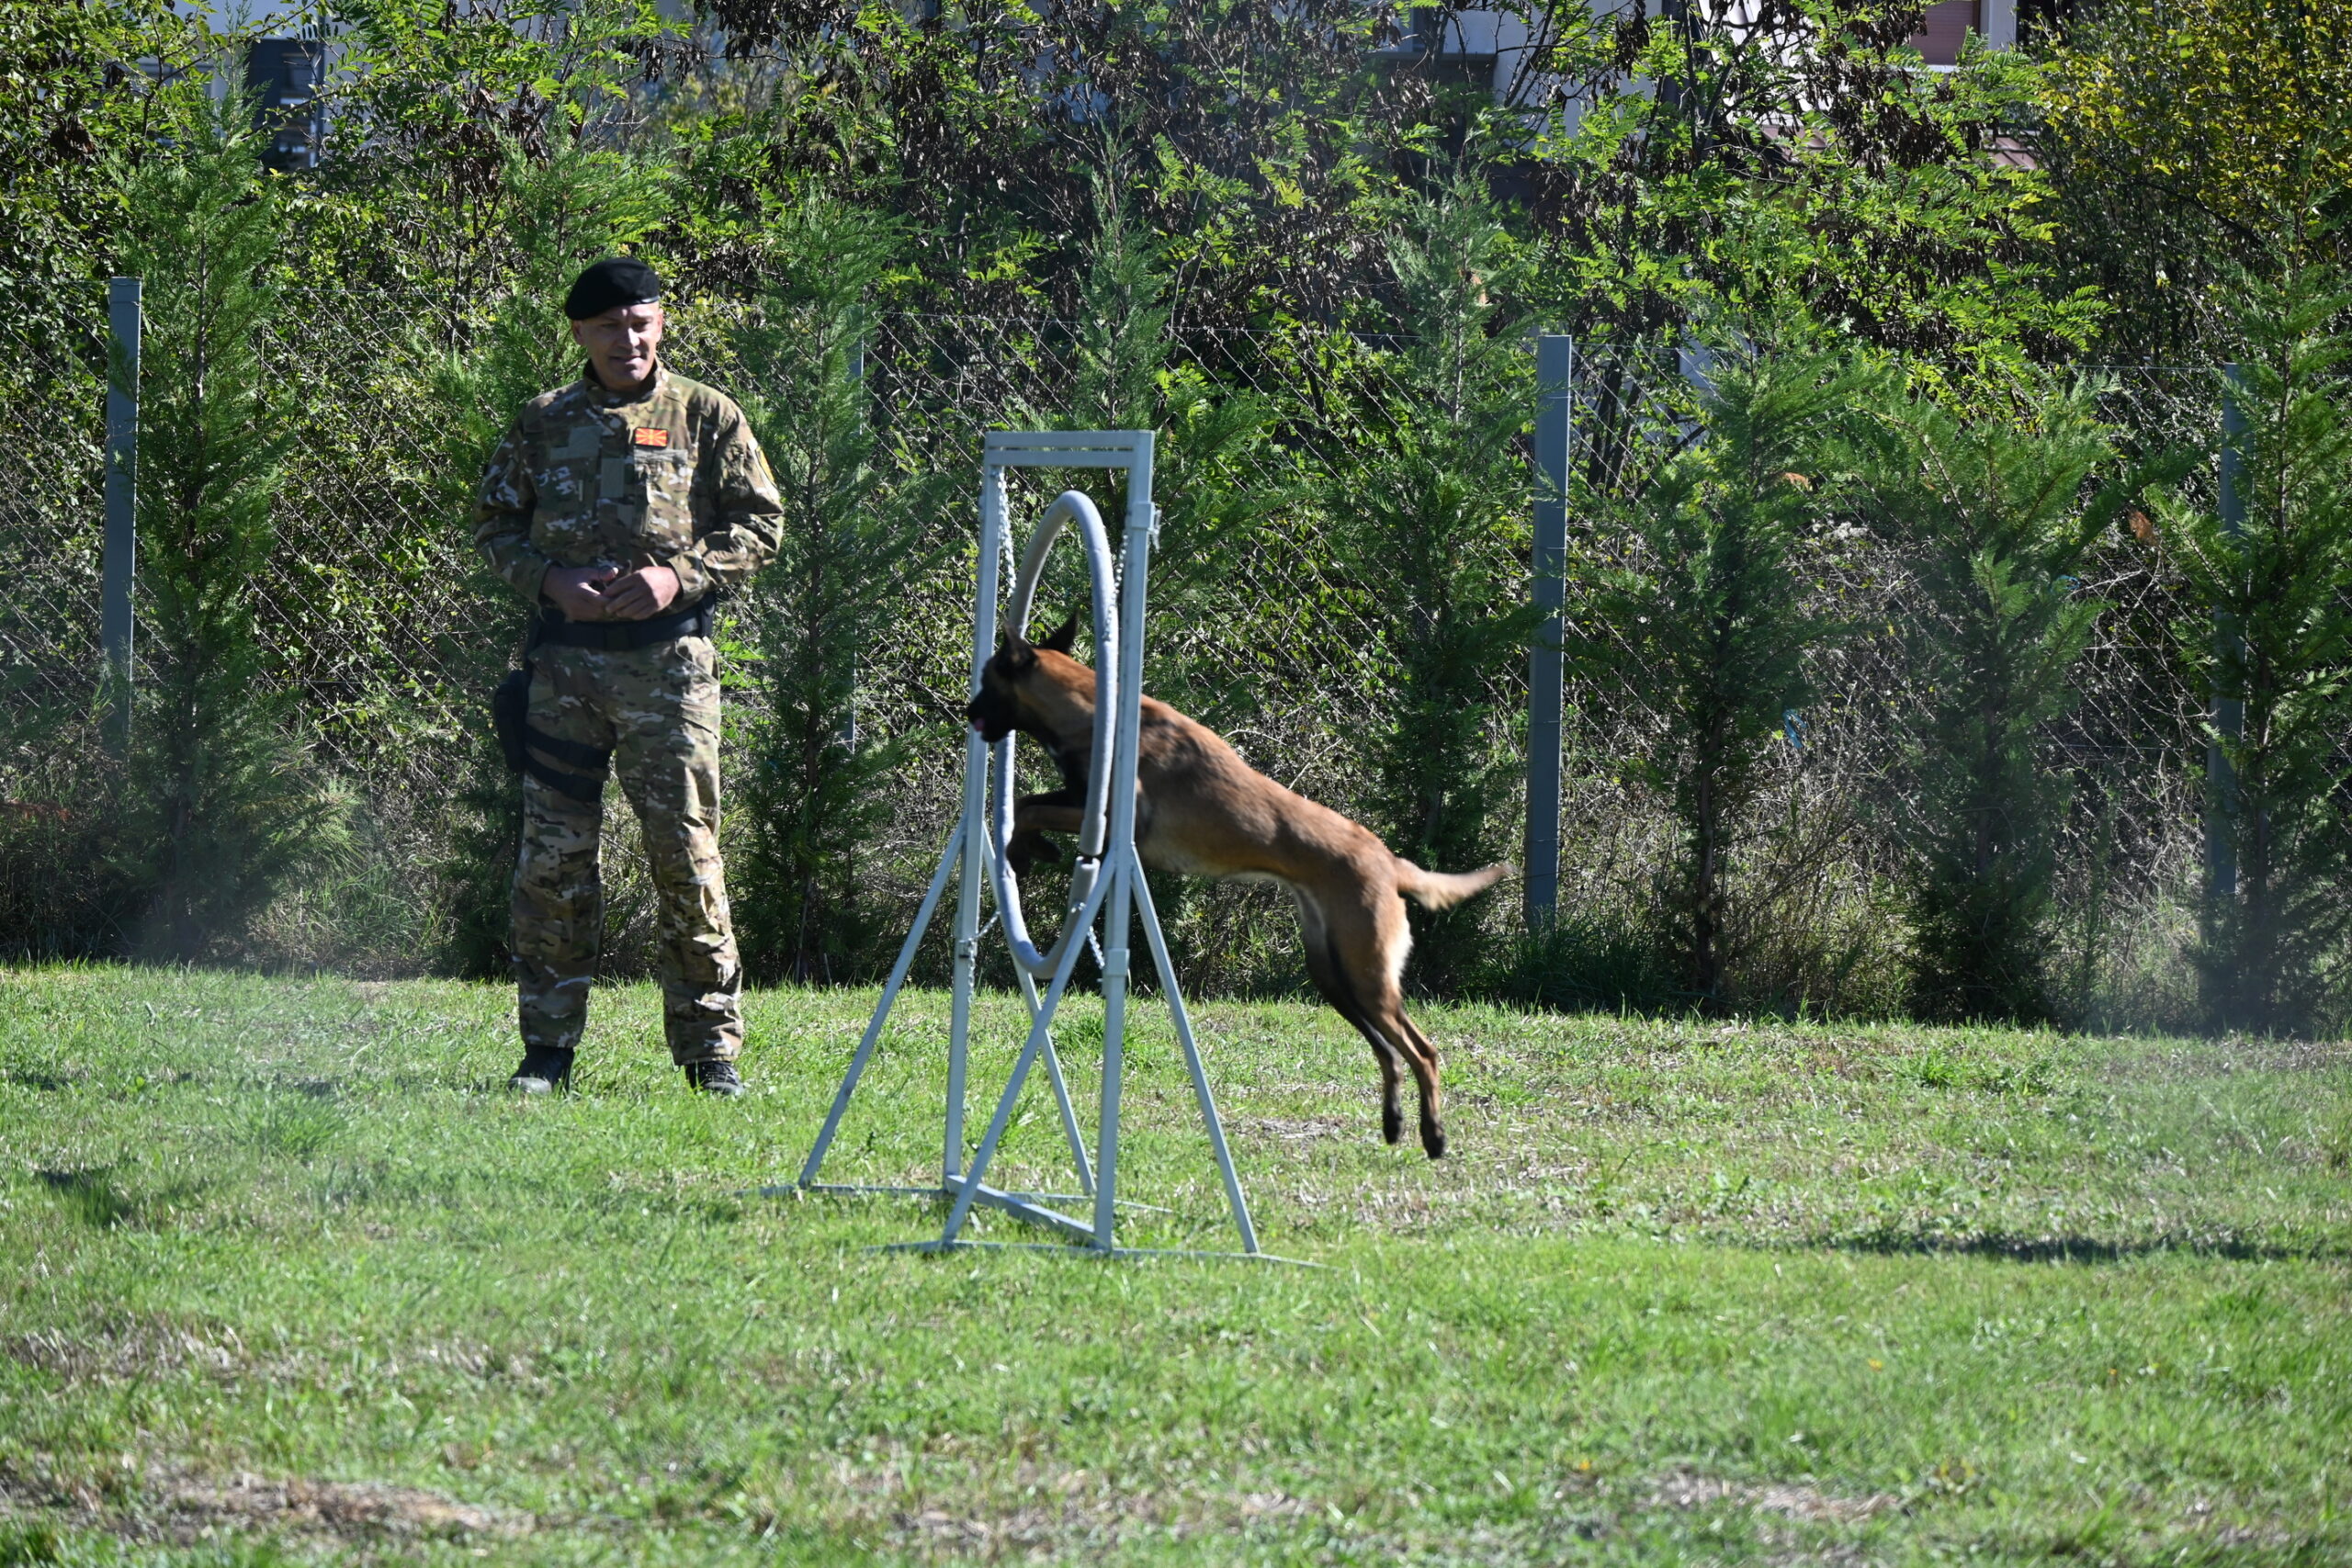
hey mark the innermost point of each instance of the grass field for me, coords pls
(285, 1276)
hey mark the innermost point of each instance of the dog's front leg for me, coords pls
(1060, 812)
(1034, 817)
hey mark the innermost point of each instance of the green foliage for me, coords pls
(562, 209)
(1123, 313)
(826, 605)
(225, 805)
(1707, 616)
(1225, 492)
(1432, 513)
(430, 113)
(2273, 956)
(65, 892)
(1990, 515)
(1736, 160)
(1131, 182)
(1216, 479)
(1584, 963)
(72, 106)
(2190, 141)
(1268, 139)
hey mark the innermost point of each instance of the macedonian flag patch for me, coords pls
(647, 437)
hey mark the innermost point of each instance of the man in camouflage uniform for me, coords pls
(621, 506)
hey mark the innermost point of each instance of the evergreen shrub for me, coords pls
(1993, 517)
(2272, 953)
(1433, 512)
(222, 803)
(1707, 611)
(826, 609)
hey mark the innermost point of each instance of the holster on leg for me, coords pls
(510, 714)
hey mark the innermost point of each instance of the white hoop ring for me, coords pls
(1094, 825)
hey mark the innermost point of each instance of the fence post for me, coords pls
(847, 735)
(1554, 414)
(2229, 648)
(124, 320)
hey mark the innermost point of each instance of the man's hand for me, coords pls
(642, 594)
(578, 591)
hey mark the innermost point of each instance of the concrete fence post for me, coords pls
(124, 321)
(1555, 416)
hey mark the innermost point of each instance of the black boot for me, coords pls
(714, 1078)
(545, 1069)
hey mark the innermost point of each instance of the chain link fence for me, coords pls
(52, 419)
(1270, 623)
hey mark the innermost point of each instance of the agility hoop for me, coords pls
(1095, 821)
(1107, 883)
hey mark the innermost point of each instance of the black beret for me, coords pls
(611, 283)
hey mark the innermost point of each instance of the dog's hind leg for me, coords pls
(1424, 1052)
(1372, 944)
(1330, 977)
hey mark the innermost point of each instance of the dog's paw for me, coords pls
(1031, 849)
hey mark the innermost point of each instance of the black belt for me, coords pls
(615, 637)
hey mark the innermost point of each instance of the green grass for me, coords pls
(285, 1276)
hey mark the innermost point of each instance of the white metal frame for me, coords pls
(1109, 881)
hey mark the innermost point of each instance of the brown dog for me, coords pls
(1202, 811)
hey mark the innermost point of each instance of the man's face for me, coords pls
(621, 343)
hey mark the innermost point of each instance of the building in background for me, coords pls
(1494, 47)
(291, 52)
(284, 76)
(284, 68)
(1995, 21)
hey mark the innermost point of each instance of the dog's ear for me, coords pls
(1062, 637)
(1015, 655)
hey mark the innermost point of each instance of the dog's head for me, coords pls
(1006, 701)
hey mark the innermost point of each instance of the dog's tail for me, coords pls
(1443, 890)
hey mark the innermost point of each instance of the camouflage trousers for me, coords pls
(657, 709)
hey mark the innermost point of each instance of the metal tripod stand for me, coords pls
(1108, 885)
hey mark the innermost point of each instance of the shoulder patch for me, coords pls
(649, 435)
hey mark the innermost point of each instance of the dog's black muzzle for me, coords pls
(991, 715)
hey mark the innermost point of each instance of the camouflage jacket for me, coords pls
(588, 477)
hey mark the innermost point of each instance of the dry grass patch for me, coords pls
(1687, 1490)
(191, 1508)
